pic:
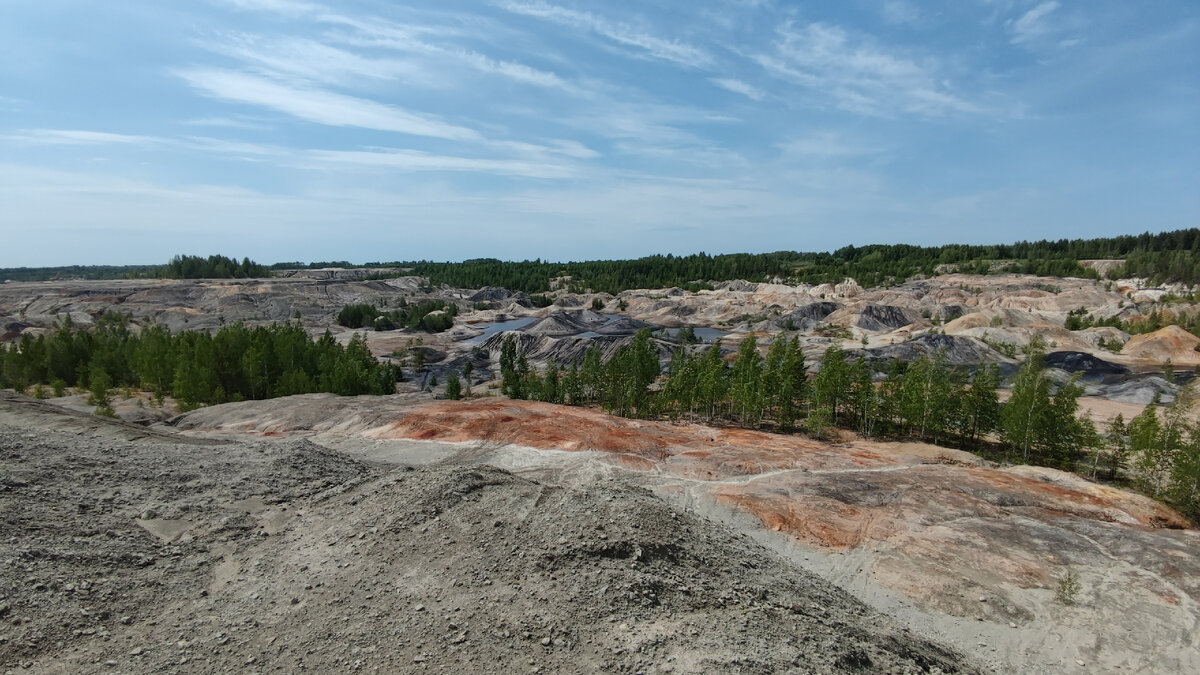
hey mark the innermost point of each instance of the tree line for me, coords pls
(1167, 256)
(1163, 257)
(925, 399)
(179, 267)
(235, 363)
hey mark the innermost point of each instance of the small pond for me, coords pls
(491, 329)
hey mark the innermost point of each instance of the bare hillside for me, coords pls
(152, 554)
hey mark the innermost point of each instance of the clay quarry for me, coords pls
(408, 533)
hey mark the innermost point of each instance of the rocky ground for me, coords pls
(133, 551)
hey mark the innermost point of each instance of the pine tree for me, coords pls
(981, 407)
(793, 385)
(467, 369)
(551, 384)
(99, 384)
(591, 375)
(511, 382)
(745, 387)
(453, 386)
(832, 383)
(712, 381)
(862, 398)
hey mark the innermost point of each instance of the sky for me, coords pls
(381, 130)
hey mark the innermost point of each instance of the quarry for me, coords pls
(408, 532)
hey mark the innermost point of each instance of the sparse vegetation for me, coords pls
(1079, 319)
(1066, 589)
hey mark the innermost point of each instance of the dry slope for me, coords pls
(159, 554)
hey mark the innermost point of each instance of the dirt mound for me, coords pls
(284, 556)
(103, 535)
(885, 317)
(1171, 343)
(1091, 368)
(557, 325)
(806, 316)
(958, 351)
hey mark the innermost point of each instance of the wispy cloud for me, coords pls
(647, 43)
(227, 123)
(409, 160)
(278, 6)
(320, 106)
(313, 60)
(1033, 24)
(80, 137)
(105, 138)
(551, 159)
(825, 145)
(858, 75)
(399, 39)
(427, 66)
(739, 87)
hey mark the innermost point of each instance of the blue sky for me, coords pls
(377, 130)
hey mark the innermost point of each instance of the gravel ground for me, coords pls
(130, 551)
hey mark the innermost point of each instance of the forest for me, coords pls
(1163, 257)
(1166, 257)
(212, 267)
(925, 399)
(235, 363)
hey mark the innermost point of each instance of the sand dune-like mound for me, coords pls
(1171, 343)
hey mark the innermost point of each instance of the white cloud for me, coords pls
(322, 62)
(739, 87)
(80, 137)
(658, 47)
(320, 106)
(204, 144)
(1032, 25)
(858, 75)
(564, 148)
(276, 6)
(314, 60)
(408, 160)
(226, 122)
